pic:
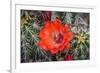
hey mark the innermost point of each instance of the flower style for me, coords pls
(55, 37)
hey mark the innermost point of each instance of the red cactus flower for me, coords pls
(55, 36)
(69, 57)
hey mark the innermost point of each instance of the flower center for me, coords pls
(58, 38)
